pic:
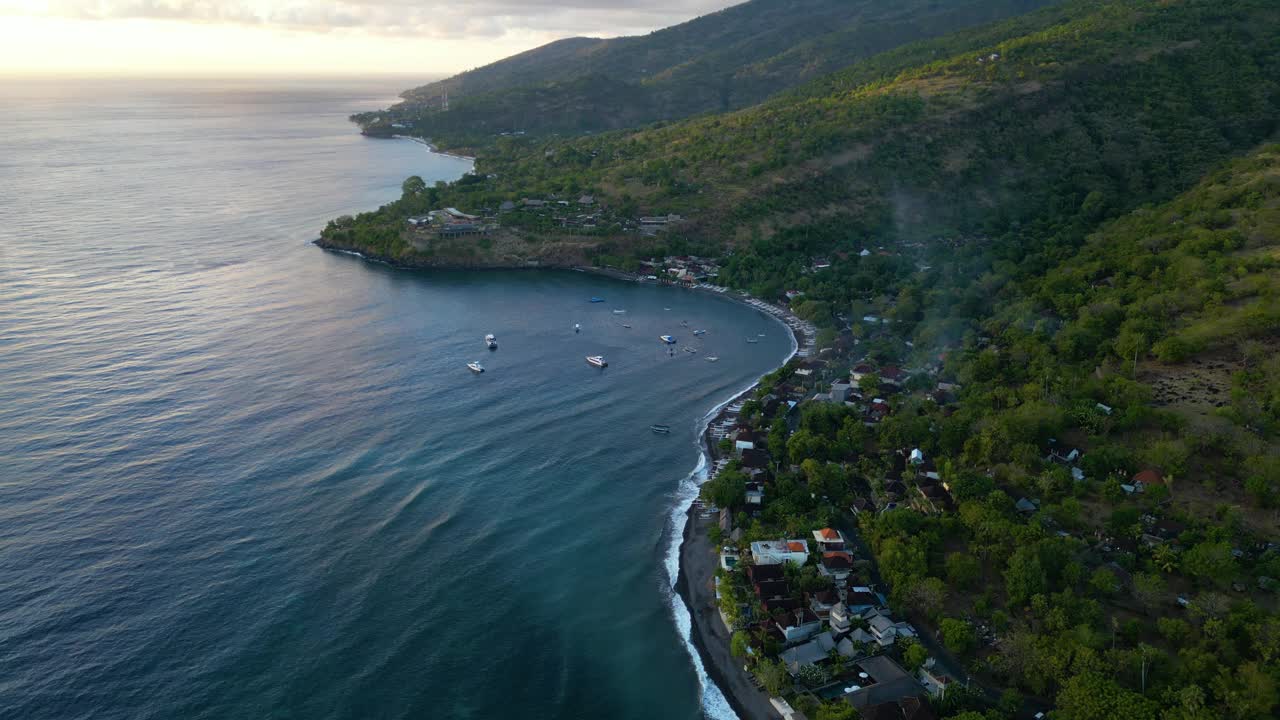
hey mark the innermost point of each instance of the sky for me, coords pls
(281, 37)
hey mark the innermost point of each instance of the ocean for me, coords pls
(241, 477)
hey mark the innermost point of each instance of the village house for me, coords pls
(934, 679)
(836, 565)
(776, 552)
(798, 625)
(882, 681)
(829, 539)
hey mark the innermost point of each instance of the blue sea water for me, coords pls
(241, 477)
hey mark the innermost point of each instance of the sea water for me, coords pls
(241, 477)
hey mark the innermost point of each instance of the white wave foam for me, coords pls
(715, 706)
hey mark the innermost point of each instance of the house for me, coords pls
(587, 200)
(1025, 506)
(860, 505)
(822, 601)
(860, 371)
(935, 680)
(1104, 409)
(836, 565)
(744, 441)
(776, 552)
(757, 459)
(840, 392)
(810, 653)
(859, 600)
(765, 573)
(529, 202)
(886, 632)
(829, 539)
(772, 589)
(882, 681)
(892, 375)
(506, 206)
(755, 493)
(1148, 477)
(798, 625)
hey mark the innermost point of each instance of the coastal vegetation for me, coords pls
(1042, 258)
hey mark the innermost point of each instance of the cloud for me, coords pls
(428, 19)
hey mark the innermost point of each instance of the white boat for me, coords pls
(690, 350)
(475, 367)
(752, 340)
(597, 361)
(577, 327)
(712, 358)
(491, 341)
(626, 326)
(619, 312)
(699, 332)
(668, 339)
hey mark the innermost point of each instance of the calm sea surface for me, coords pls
(241, 477)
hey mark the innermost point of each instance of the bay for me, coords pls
(242, 477)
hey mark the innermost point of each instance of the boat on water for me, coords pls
(660, 429)
(597, 361)
(690, 350)
(761, 334)
(619, 312)
(668, 339)
(577, 327)
(491, 341)
(684, 323)
(475, 367)
(597, 299)
(626, 326)
(712, 358)
(699, 332)
(752, 340)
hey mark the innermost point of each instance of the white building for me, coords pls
(776, 552)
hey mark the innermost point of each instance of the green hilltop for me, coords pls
(721, 61)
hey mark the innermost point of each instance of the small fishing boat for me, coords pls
(752, 340)
(491, 341)
(690, 350)
(597, 361)
(597, 299)
(699, 332)
(475, 367)
(619, 312)
(660, 429)
(626, 326)
(668, 339)
(577, 327)
(712, 358)
(761, 334)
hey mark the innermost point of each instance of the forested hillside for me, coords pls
(1072, 219)
(725, 60)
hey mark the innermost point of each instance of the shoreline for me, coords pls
(698, 559)
(707, 638)
(434, 150)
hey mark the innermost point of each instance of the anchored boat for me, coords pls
(491, 341)
(668, 339)
(660, 429)
(597, 299)
(597, 361)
